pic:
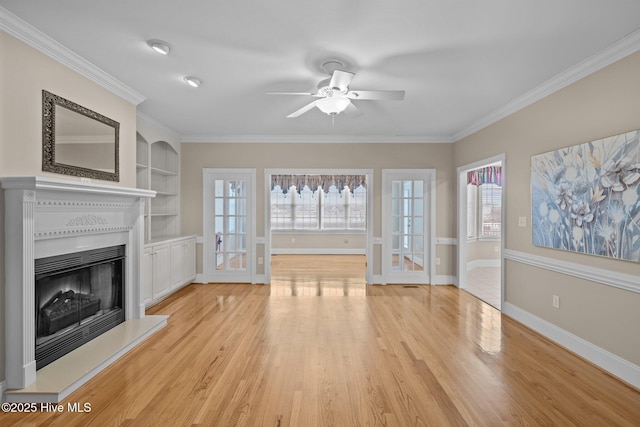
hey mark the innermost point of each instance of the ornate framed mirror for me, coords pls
(77, 141)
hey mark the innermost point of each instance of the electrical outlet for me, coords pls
(437, 261)
(293, 240)
(522, 221)
(556, 301)
(260, 260)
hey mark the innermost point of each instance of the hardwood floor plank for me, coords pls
(316, 349)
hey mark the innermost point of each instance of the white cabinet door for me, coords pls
(146, 277)
(177, 264)
(189, 260)
(161, 271)
(183, 262)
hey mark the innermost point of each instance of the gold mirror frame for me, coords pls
(49, 163)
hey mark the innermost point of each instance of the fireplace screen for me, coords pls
(78, 297)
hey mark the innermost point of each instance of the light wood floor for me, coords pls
(393, 356)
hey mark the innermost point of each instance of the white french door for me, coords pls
(407, 222)
(229, 225)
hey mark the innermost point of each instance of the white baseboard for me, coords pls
(317, 251)
(611, 363)
(200, 279)
(445, 280)
(376, 279)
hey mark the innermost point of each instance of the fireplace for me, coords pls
(72, 270)
(78, 297)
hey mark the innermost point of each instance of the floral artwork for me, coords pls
(586, 198)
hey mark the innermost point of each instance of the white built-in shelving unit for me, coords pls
(168, 261)
(158, 169)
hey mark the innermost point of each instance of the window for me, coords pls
(484, 211)
(491, 215)
(306, 208)
(320, 209)
(280, 209)
(333, 210)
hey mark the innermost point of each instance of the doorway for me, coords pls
(407, 222)
(229, 224)
(318, 212)
(480, 229)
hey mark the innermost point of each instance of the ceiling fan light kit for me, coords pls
(335, 95)
(333, 105)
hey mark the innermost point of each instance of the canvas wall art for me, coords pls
(586, 198)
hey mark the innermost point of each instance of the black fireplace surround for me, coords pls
(78, 296)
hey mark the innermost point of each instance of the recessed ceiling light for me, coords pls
(159, 46)
(193, 81)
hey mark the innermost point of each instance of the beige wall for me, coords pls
(319, 241)
(22, 79)
(24, 73)
(483, 250)
(196, 156)
(602, 104)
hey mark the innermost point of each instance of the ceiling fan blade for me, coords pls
(385, 95)
(292, 93)
(341, 79)
(352, 111)
(302, 110)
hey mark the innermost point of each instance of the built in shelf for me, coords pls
(163, 172)
(158, 169)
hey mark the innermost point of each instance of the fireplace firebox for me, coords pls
(78, 297)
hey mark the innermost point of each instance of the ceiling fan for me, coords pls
(335, 96)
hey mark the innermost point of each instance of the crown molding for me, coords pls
(312, 139)
(35, 38)
(617, 51)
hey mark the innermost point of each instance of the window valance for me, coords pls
(486, 175)
(314, 181)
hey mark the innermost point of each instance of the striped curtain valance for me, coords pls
(486, 175)
(314, 181)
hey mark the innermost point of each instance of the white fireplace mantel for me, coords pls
(46, 217)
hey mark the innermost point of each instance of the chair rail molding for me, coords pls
(603, 276)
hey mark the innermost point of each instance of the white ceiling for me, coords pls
(462, 63)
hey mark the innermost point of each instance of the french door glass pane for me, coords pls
(407, 225)
(230, 209)
(418, 189)
(418, 225)
(219, 188)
